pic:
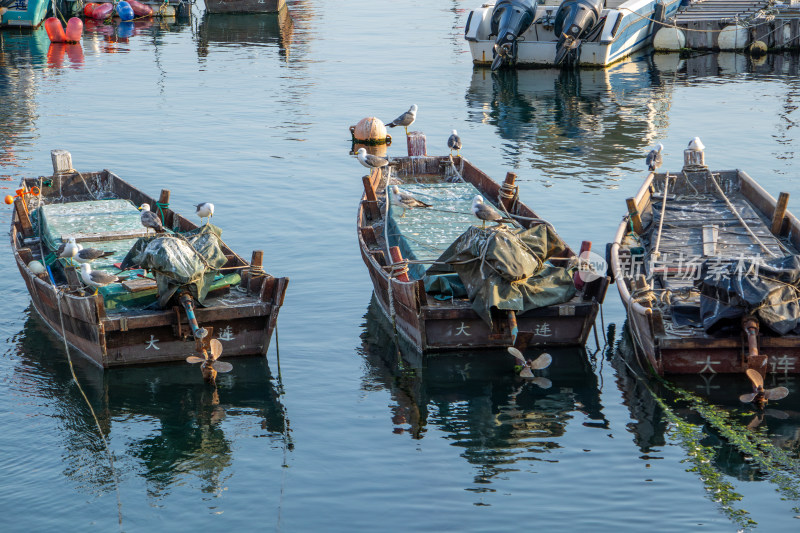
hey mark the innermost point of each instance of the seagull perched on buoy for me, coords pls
(454, 143)
(68, 249)
(150, 220)
(485, 212)
(406, 119)
(697, 145)
(372, 161)
(654, 158)
(205, 210)
(405, 200)
(96, 278)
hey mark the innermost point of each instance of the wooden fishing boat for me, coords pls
(423, 318)
(704, 263)
(123, 324)
(244, 6)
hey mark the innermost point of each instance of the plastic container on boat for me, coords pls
(55, 31)
(124, 11)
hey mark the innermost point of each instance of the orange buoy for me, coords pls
(74, 30)
(370, 131)
(55, 31)
(9, 199)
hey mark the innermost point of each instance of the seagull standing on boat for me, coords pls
(372, 161)
(150, 220)
(454, 143)
(485, 212)
(697, 145)
(654, 158)
(205, 210)
(406, 119)
(87, 255)
(96, 278)
(68, 249)
(405, 200)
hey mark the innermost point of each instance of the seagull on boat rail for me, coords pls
(150, 220)
(68, 249)
(654, 158)
(486, 213)
(205, 210)
(454, 143)
(406, 119)
(697, 145)
(372, 161)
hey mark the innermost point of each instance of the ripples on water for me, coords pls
(348, 431)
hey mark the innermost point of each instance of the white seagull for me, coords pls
(454, 143)
(205, 210)
(372, 161)
(697, 145)
(68, 249)
(87, 255)
(485, 212)
(150, 220)
(406, 119)
(405, 200)
(96, 278)
(654, 158)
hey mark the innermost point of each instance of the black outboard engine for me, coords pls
(574, 20)
(510, 19)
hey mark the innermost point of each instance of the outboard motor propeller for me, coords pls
(574, 19)
(510, 19)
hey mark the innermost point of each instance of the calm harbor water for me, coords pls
(335, 430)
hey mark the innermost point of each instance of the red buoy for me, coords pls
(74, 30)
(103, 11)
(89, 8)
(140, 9)
(55, 31)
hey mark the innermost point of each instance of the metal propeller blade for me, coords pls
(222, 367)
(543, 383)
(755, 377)
(195, 359)
(748, 398)
(778, 393)
(543, 361)
(526, 372)
(517, 355)
(216, 349)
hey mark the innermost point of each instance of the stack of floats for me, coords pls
(420, 301)
(755, 25)
(706, 265)
(123, 324)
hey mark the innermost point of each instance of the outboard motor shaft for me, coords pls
(510, 19)
(574, 19)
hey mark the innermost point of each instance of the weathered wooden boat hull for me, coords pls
(244, 324)
(244, 6)
(433, 326)
(666, 353)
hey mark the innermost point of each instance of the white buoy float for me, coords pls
(733, 38)
(669, 39)
(36, 267)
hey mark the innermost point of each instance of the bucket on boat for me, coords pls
(74, 30)
(55, 31)
(370, 131)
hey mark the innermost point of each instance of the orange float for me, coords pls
(74, 30)
(55, 31)
(89, 8)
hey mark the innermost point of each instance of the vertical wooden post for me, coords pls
(23, 219)
(416, 143)
(372, 199)
(779, 214)
(397, 257)
(694, 158)
(636, 218)
(586, 247)
(164, 200)
(255, 267)
(507, 190)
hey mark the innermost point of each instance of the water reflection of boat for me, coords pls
(246, 30)
(498, 418)
(184, 436)
(551, 117)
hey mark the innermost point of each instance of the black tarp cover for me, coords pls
(505, 268)
(189, 261)
(766, 288)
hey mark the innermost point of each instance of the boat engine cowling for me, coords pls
(510, 19)
(574, 19)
